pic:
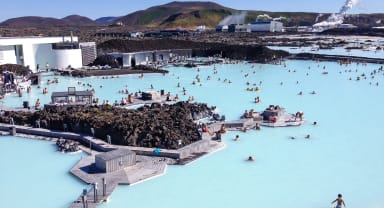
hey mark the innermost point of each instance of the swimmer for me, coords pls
(250, 158)
(237, 138)
(307, 136)
(300, 93)
(340, 201)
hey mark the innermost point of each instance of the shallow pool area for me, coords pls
(343, 154)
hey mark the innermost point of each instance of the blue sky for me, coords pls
(99, 8)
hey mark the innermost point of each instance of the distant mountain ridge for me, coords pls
(35, 21)
(189, 15)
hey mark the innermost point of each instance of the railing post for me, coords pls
(95, 192)
(104, 187)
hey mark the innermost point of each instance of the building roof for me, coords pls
(76, 93)
(35, 40)
(264, 22)
(115, 154)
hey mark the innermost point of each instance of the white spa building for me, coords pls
(41, 52)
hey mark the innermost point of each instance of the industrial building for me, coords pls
(115, 160)
(88, 52)
(237, 28)
(265, 26)
(222, 28)
(152, 57)
(40, 53)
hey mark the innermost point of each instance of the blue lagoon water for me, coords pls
(34, 174)
(343, 155)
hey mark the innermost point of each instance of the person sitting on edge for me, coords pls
(245, 115)
(217, 137)
(123, 101)
(205, 128)
(339, 201)
(37, 104)
(176, 98)
(222, 129)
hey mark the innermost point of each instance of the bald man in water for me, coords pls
(339, 201)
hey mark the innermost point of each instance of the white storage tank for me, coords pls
(67, 55)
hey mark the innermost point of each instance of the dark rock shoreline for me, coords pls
(140, 69)
(156, 126)
(254, 53)
(339, 58)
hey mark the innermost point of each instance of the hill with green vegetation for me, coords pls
(183, 15)
(179, 14)
(195, 13)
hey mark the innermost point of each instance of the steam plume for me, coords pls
(336, 19)
(263, 17)
(234, 19)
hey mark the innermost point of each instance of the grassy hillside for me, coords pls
(178, 14)
(208, 17)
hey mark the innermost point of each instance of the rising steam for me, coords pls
(318, 17)
(234, 19)
(336, 19)
(263, 17)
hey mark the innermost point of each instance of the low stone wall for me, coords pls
(99, 145)
(196, 147)
(54, 134)
(199, 146)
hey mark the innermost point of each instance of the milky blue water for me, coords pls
(34, 174)
(343, 155)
